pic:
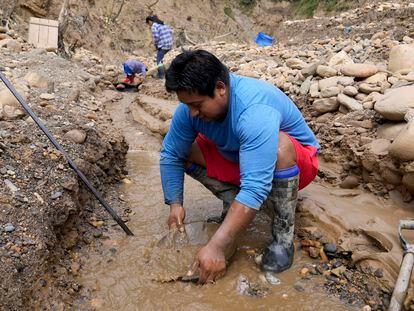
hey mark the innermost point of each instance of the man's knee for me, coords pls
(286, 154)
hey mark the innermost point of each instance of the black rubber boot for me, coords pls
(222, 190)
(280, 206)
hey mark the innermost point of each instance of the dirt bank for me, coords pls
(45, 211)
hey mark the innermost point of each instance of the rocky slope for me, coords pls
(45, 211)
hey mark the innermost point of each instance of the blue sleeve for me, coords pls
(175, 150)
(258, 131)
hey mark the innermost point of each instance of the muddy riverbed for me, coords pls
(118, 274)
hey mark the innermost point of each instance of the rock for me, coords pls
(380, 146)
(272, 279)
(408, 181)
(314, 89)
(396, 103)
(313, 252)
(309, 70)
(47, 96)
(349, 182)
(350, 103)
(350, 90)
(56, 195)
(334, 81)
(331, 91)
(12, 113)
(403, 145)
(391, 176)
(325, 105)
(11, 44)
(9, 227)
(401, 57)
(359, 70)
(326, 71)
(377, 78)
(330, 248)
(35, 79)
(390, 130)
(296, 63)
(368, 88)
(77, 136)
(304, 88)
(8, 99)
(340, 58)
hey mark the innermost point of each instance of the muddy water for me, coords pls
(122, 279)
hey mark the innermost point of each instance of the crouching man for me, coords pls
(247, 142)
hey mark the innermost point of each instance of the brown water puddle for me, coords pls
(123, 280)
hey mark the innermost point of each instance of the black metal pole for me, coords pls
(59, 147)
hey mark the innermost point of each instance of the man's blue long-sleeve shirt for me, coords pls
(248, 135)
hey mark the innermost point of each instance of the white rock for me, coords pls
(35, 79)
(350, 103)
(326, 71)
(396, 103)
(325, 105)
(77, 136)
(401, 57)
(378, 77)
(47, 96)
(340, 58)
(296, 63)
(350, 90)
(334, 81)
(11, 44)
(403, 145)
(330, 92)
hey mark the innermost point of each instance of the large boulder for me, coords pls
(35, 79)
(11, 44)
(359, 70)
(403, 146)
(390, 130)
(396, 103)
(8, 99)
(401, 57)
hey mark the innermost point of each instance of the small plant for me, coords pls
(247, 5)
(229, 12)
(308, 7)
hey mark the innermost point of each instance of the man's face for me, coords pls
(205, 107)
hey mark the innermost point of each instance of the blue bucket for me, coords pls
(263, 39)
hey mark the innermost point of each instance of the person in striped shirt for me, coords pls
(163, 39)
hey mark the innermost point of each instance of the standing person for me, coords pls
(133, 67)
(248, 143)
(163, 39)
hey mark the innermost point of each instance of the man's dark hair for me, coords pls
(196, 71)
(154, 19)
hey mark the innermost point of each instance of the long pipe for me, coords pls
(403, 280)
(58, 147)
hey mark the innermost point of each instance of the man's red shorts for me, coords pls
(224, 170)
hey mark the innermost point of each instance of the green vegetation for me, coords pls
(229, 12)
(247, 5)
(307, 7)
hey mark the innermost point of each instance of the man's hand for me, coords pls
(210, 260)
(211, 263)
(176, 218)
